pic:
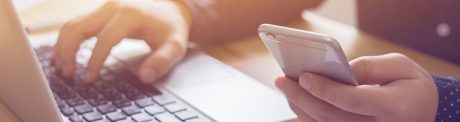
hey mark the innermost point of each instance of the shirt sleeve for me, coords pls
(229, 19)
(449, 98)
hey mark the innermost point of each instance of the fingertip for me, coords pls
(281, 81)
(306, 81)
(89, 77)
(147, 75)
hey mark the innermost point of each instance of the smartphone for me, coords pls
(298, 51)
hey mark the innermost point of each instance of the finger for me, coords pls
(117, 29)
(363, 99)
(161, 61)
(302, 116)
(383, 69)
(75, 32)
(318, 109)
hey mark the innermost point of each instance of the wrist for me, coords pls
(183, 22)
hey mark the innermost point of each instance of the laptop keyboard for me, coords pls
(117, 96)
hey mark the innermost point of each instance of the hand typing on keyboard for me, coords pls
(393, 89)
(115, 96)
(164, 25)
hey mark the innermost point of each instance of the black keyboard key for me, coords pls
(82, 109)
(75, 118)
(62, 91)
(121, 85)
(163, 99)
(103, 87)
(60, 103)
(144, 102)
(89, 93)
(186, 115)
(80, 87)
(142, 117)
(130, 110)
(66, 111)
(75, 101)
(93, 116)
(67, 95)
(99, 100)
(154, 109)
(173, 108)
(116, 116)
(108, 91)
(148, 90)
(134, 94)
(114, 96)
(107, 95)
(122, 102)
(167, 117)
(106, 108)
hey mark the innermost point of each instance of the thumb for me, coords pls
(161, 61)
(363, 99)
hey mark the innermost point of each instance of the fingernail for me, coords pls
(148, 75)
(306, 81)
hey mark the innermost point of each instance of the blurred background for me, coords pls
(343, 11)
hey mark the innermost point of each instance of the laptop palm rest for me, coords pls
(218, 90)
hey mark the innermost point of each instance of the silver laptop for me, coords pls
(199, 89)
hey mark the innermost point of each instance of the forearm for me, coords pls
(226, 19)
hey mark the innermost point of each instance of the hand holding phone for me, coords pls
(298, 51)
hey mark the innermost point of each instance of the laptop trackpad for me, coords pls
(223, 93)
(216, 89)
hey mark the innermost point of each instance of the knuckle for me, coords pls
(365, 63)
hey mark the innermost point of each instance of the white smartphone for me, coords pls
(298, 51)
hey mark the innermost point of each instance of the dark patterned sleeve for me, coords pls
(449, 98)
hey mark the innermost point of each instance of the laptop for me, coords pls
(198, 89)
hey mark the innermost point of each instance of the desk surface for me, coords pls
(249, 54)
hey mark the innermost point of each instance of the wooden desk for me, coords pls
(249, 55)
